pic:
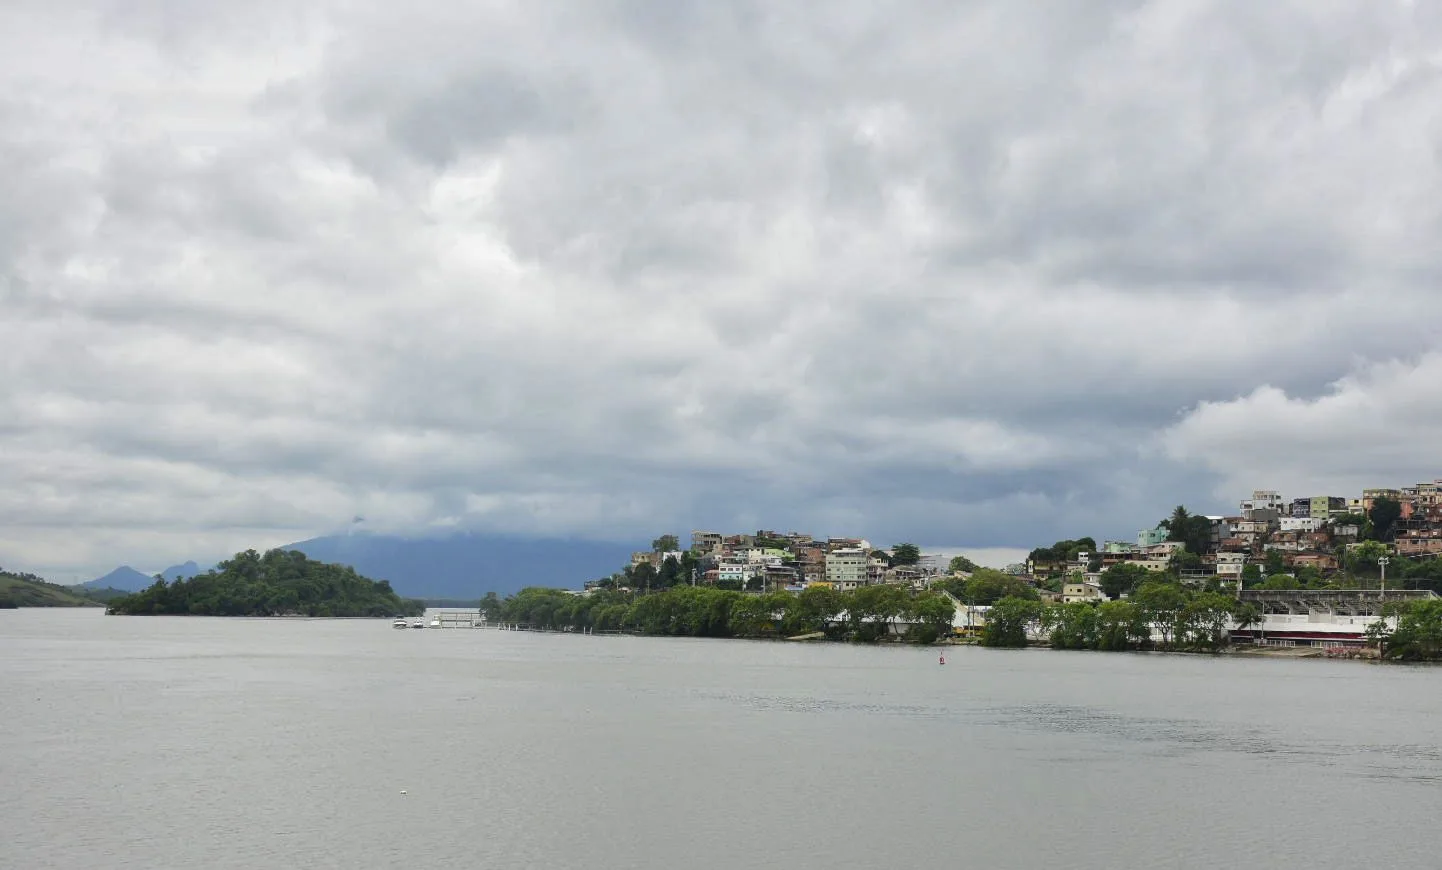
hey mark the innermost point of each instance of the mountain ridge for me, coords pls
(463, 566)
(124, 578)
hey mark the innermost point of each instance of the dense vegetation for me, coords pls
(867, 614)
(279, 583)
(28, 590)
(1184, 619)
(1418, 635)
(988, 586)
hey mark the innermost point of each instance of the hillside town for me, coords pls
(1312, 537)
(1309, 571)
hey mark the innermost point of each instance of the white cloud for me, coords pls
(1375, 427)
(925, 273)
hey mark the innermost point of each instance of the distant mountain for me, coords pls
(124, 577)
(467, 566)
(182, 572)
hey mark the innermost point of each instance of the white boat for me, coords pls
(399, 622)
(436, 622)
(418, 624)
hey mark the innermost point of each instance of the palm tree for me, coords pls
(1176, 524)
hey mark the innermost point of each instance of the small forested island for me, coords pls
(279, 583)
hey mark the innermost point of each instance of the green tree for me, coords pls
(1122, 578)
(1280, 582)
(1308, 577)
(813, 610)
(670, 573)
(1122, 625)
(690, 568)
(1205, 621)
(988, 586)
(1194, 532)
(1008, 621)
(1418, 635)
(1176, 524)
(874, 609)
(491, 607)
(1183, 561)
(1162, 603)
(1349, 519)
(905, 554)
(1274, 562)
(644, 577)
(1362, 559)
(665, 544)
(1073, 626)
(1062, 551)
(1384, 515)
(1251, 575)
(961, 565)
(1425, 574)
(931, 616)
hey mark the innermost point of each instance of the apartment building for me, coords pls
(847, 568)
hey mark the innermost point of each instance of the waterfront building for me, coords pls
(1318, 617)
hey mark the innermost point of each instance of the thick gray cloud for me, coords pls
(977, 275)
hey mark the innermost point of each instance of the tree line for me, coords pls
(869, 613)
(1177, 617)
(278, 583)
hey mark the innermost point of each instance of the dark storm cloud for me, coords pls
(977, 274)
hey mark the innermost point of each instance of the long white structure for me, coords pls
(1319, 617)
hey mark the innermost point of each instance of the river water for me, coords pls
(173, 742)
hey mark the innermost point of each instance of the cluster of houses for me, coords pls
(1312, 531)
(790, 561)
(1308, 532)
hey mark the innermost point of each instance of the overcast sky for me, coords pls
(970, 274)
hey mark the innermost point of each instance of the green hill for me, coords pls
(279, 583)
(27, 590)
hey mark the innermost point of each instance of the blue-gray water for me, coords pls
(204, 743)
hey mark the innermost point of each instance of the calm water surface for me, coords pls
(165, 742)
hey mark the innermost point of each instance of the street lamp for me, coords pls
(1382, 563)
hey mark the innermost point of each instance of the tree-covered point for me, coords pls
(867, 614)
(279, 583)
(1418, 635)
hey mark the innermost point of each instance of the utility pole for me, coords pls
(1382, 563)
